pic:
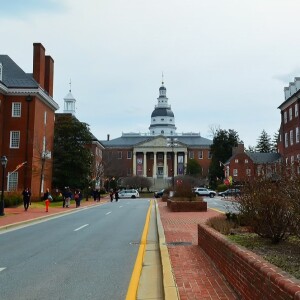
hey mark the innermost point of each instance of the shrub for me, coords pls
(265, 207)
(184, 190)
(12, 199)
(221, 224)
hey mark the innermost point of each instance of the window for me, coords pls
(286, 140)
(162, 119)
(160, 156)
(246, 161)
(248, 172)
(291, 138)
(235, 172)
(209, 155)
(169, 156)
(200, 154)
(298, 169)
(1, 68)
(12, 182)
(119, 154)
(290, 113)
(292, 159)
(14, 139)
(151, 156)
(191, 154)
(297, 135)
(45, 118)
(236, 161)
(285, 117)
(129, 172)
(296, 110)
(129, 154)
(16, 109)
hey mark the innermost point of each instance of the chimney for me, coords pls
(39, 64)
(292, 88)
(287, 93)
(238, 150)
(297, 83)
(49, 73)
(108, 137)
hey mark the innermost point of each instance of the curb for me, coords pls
(169, 285)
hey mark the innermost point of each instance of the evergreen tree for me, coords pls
(193, 168)
(72, 160)
(264, 143)
(221, 150)
(274, 144)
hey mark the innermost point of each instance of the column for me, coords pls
(134, 164)
(145, 164)
(165, 165)
(154, 165)
(175, 164)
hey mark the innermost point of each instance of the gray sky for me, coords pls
(225, 62)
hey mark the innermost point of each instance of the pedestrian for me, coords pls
(111, 194)
(117, 195)
(26, 198)
(47, 198)
(77, 197)
(68, 196)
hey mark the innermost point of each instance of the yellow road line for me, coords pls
(220, 211)
(136, 274)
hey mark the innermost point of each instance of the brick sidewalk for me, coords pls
(18, 215)
(195, 274)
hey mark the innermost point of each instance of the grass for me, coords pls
(285, 255)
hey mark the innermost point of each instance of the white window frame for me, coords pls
(14, 142)
(200, 154)
(286, 140)
(297, 135)
(119, 154)
(248, 172)
(235, 172)
(236, 161)
(191, 154)
(291, 137)
(209, 155)
(296, 110)
(12, 181)
(246, 161)
(129, 154)
(285, 117)
(290, 113)
(45, 118)
(16, 109)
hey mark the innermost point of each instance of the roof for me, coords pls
(14, 77)
(131, 141)
(162, 112)
(263, 158)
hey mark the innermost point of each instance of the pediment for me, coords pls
(157, 142)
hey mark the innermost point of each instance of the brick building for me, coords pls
(154, 154)
(27, 122)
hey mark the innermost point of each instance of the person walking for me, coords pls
(117, 195)
(111, 194)
(77, 197)
(26, 198)
(68, 196)
(47, 197)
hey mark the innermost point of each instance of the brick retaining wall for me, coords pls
(249, 274)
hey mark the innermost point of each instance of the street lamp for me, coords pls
(3, 163)
(172, 142)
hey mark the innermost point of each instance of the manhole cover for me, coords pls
(179, 243)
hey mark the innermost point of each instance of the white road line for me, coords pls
(108, 213)
(81, 227)
(1, 269)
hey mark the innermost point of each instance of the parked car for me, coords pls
(230, 192)
(204, 192)
(159, 193)
(131, 193)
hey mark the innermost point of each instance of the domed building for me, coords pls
(155, 154)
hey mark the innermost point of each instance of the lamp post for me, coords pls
(3, 163)
(172, 142)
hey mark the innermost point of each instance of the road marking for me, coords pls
(108, 213)
(81, 227)
(1, 269)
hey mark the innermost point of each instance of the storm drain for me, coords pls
(179, 244)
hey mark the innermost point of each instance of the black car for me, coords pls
(230, 192)
(159, 193)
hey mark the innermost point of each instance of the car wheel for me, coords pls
(211, 195)
(132, 196)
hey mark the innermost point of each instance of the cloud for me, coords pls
(288, 77)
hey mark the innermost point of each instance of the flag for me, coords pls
(19, 166)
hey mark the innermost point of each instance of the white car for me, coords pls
(129, 194)
(204, 192)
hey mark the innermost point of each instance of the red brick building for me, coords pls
(289, 137)
(27, 122)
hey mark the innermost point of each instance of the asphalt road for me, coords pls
(221, 204)
(89, 254)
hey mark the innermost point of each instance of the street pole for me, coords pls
(172, 142)
(3, 163)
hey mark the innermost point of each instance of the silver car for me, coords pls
(204, 192)
(131, 193)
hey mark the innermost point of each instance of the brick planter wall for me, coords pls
(186, 206)
(249, 274)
